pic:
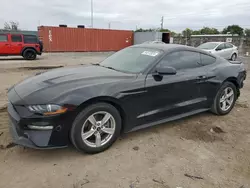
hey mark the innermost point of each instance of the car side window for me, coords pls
(16, 38)
(182, 60)
(221, 47)
(207, 59)
(3, 38)
(30, 39)
(228, 45)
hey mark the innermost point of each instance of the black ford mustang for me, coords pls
(137, 87)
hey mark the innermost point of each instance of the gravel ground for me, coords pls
(185, 153)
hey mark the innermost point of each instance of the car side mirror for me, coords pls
(218, 49)
(165, 70)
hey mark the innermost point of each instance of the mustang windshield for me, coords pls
(133, 60)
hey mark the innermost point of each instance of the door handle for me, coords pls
(7, 44)
(19, 44)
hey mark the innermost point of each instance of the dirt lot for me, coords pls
(164, 156)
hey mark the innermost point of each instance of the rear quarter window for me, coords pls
(228, 45)
(207, 59)
(29, 39)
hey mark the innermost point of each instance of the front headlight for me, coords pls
(49, 109)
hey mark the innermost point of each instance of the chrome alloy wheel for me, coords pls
(227, 99)
(98, 129)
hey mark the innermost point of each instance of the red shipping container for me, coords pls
(64, 39)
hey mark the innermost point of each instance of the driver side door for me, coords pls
(172, 95)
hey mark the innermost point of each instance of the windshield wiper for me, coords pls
(97, 64)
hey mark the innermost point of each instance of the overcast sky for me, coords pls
(127, 14)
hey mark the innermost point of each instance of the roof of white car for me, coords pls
(216, 42)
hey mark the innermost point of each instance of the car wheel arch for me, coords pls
(26, 48)
(234, 53)
(106, 99)
(235, 82)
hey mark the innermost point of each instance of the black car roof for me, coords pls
(170, 47)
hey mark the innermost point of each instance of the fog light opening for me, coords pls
(58, 128)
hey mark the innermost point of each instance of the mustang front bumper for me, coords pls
(38, 139)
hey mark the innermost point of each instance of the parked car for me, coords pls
(223, 49)
(135, 88)
(154, 42)
(27, 46)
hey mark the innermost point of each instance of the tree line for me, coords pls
(231, 29)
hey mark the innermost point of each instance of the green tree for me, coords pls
(187, 32)
(233, 29)
(209, 31)
(144, 30)
(165, 30)
(247, 32)
(197, 32)
(173, 34)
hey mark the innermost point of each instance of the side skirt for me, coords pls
(169, 119)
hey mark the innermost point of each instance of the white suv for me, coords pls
(223, 49)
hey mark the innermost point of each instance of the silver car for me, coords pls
(223, 49)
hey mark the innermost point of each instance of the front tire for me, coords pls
(29, 54)
(225, 99)
(96, 128)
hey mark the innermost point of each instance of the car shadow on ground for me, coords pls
(184, 129)
(12, 59)
(19, 59)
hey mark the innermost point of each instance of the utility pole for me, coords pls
(186, 37)
(109, 25)
(92, 14)
(162, 22)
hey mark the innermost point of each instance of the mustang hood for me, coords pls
(50, 85)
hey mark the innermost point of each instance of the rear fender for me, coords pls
(25, 48)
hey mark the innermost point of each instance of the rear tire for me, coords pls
(92, 132)
(225, 99)
(29, 54)
(234, 57)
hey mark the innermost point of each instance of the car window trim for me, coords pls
(152, 70)
(210, 56)
(223, 45)
(27, 35)
(5, 36)
(231, 46)
(16, 35)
